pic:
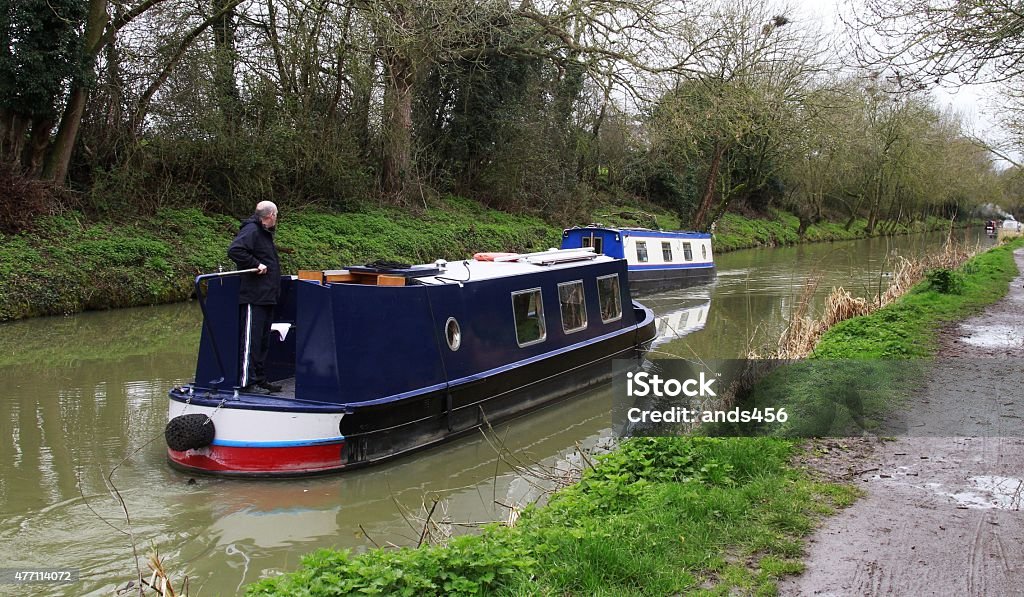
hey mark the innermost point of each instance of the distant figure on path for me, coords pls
(253, 248)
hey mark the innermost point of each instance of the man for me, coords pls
(253, 248)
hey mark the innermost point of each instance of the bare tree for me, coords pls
(735, 116)
(922, 42)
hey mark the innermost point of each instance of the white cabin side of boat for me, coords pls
(653, 251)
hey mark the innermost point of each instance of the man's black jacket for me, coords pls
(255, 245)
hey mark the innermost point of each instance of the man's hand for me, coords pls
(261, 269)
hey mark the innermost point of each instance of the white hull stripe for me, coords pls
(241, 427)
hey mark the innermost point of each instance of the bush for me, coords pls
(25, 200)
(945, 281)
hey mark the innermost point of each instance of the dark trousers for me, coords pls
(255, 327)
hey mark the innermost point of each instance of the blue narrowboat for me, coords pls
(376, 362)
(657, 259)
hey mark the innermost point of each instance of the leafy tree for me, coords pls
(40, 54)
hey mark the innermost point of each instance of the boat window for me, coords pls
(666, 251)
(586, 241)
(641, 251)
(703, 252)
(687, 252)
(574, 307)
(528, 310)
(597, 244)
(453, 334)
(609, 297)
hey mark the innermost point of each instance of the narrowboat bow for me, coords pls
(376, 362)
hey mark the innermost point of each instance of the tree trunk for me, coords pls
(6, 122)
(876, 202)
(854, 211)
(805, 223)
(12, 127)
(397, 166)
(35, 151)
(709, 187)
(15, 139)
(57, 162)
(59, 159)
(225, 57)
(284, 80)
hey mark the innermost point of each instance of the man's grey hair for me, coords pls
(265, 208)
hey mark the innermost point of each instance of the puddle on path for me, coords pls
(986, 492)
(992, 336)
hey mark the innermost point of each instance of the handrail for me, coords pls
(202, 307)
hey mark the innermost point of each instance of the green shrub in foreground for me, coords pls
(468, 565)
(945, 281)
(657, 516)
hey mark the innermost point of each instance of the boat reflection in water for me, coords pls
(679, 313)
(676, 324)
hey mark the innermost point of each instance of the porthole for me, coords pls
(453, 334)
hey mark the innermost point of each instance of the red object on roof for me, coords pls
(491, 256)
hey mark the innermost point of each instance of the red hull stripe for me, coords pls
(290, 460)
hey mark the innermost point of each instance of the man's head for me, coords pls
(266, 211)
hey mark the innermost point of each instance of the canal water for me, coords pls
(84, 483)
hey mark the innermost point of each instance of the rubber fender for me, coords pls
(189, 432)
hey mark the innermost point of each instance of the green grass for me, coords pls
(658, 516)
(907, 328)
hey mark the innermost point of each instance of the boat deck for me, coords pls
(287, 388)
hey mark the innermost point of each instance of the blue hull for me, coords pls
(375, 358)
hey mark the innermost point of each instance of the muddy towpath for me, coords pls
(942, 512)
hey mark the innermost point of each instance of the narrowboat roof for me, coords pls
(643, 232)
(500, 265)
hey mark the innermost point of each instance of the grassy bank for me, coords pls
(737, 232)
(863, 368)
(907, 328)
(67, 264)
(774, 229)
(658, 516)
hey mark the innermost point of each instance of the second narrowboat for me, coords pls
(657, 259)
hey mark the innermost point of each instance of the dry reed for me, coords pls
(159, 581)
